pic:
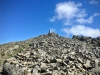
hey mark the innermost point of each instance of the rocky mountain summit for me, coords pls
(51, 54)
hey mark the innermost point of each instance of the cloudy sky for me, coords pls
(24, 19)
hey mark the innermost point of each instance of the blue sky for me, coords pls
(24, 19)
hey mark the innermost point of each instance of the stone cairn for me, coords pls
(51, 54)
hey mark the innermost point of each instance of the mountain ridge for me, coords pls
(53, 47)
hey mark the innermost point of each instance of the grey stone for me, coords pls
(43, 67)
(47, 73)
(51, 54)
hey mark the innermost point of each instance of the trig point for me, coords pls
(50, 31)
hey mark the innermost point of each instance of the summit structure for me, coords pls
(50, 31)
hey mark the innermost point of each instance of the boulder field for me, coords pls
(51, 54)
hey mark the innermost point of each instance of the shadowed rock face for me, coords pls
(94, 41)
(51, 54)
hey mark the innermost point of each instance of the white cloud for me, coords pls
(82, 20)
(82, 30)
(70, 13)
(96, 14)
(67, 11)
(89, 20)
(93, 2)
(53, 19)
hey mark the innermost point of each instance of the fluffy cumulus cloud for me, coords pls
(93, 1)
(67, 11)
(72, 14)
(82, 30)
(89, 20)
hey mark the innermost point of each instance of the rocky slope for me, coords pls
(51, 54)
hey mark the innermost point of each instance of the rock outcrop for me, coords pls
(51, 54)
(89, 40)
